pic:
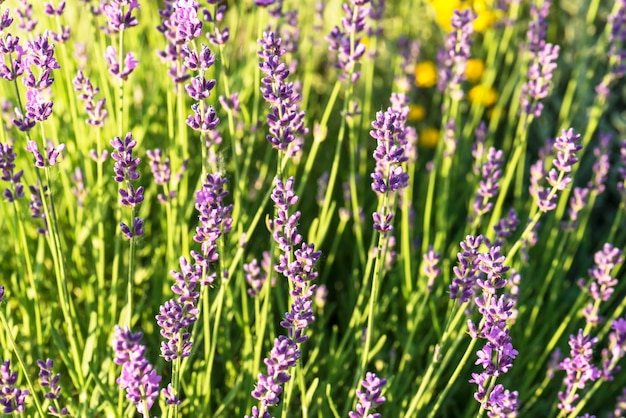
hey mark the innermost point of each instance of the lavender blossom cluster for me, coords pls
(126, 171)
(12, 398)
(285, 119)
(346, 41)
(138, 377)
(453, 57)
(298, 267)
(389, 176)
(484, 272)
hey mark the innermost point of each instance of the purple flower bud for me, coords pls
(453, 58)
(138, 377)
(13, 398)
(369, 398)
(579, 369)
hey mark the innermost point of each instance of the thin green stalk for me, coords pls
(318, 138)
(457, 371)
(455, 317)
(20, 236)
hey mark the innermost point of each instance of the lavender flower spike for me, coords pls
(12, 398)
(285, 119)
(558, 177)
(125, 169)
(51, 382)
(138, 377)
(579, 369)
(453, 58)
(370, 398)
(390, 155)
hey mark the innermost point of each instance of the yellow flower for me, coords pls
(483, 95)
(484, 20)
(429, 137)
(474, 70)
(425, 74)
(416, 112)
(484, 15)
(365, 41)
(444, 9)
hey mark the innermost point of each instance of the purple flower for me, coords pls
(95, 110)
(602, 284)
(115, 67)
(488, 186)
(540, 69)
(5, 20)
(214, 219)
(505, 227)
(125, 164)
(390, 155)
(577, 202)
(177, 315)
(299, 268)
(578, 368)
(430, 267)
(283, 355)
(615, 350)
(12, 398)
(160, 167)
(185, 21)
(204, 118)
(467, 272)
(170, 396)
(118, 17)
(52, 155)
(216, 35)
(285, 119)
(37, 209)
(25, 15)
(369, 398)
(558, 177)
(617, 52)
(537, 27)
(125, 169)
(7, 169)
(51, 383)
(601, 165)
(497, 354)
(138, 377)
(51, 11)
(349, 53)
(453, 58)
(257, 274)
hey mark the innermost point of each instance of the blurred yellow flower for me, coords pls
(416, 112)
(425, 74)
(483, 95)
(474, 70)
(429, 137)
(484, 20)
(365, 41)
(484, 15)
(444, 9)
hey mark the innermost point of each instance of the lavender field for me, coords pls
(282, 208)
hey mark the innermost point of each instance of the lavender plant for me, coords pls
(366, 208)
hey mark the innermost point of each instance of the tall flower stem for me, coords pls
(54, 242)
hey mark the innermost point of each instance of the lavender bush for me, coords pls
(345, 208)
